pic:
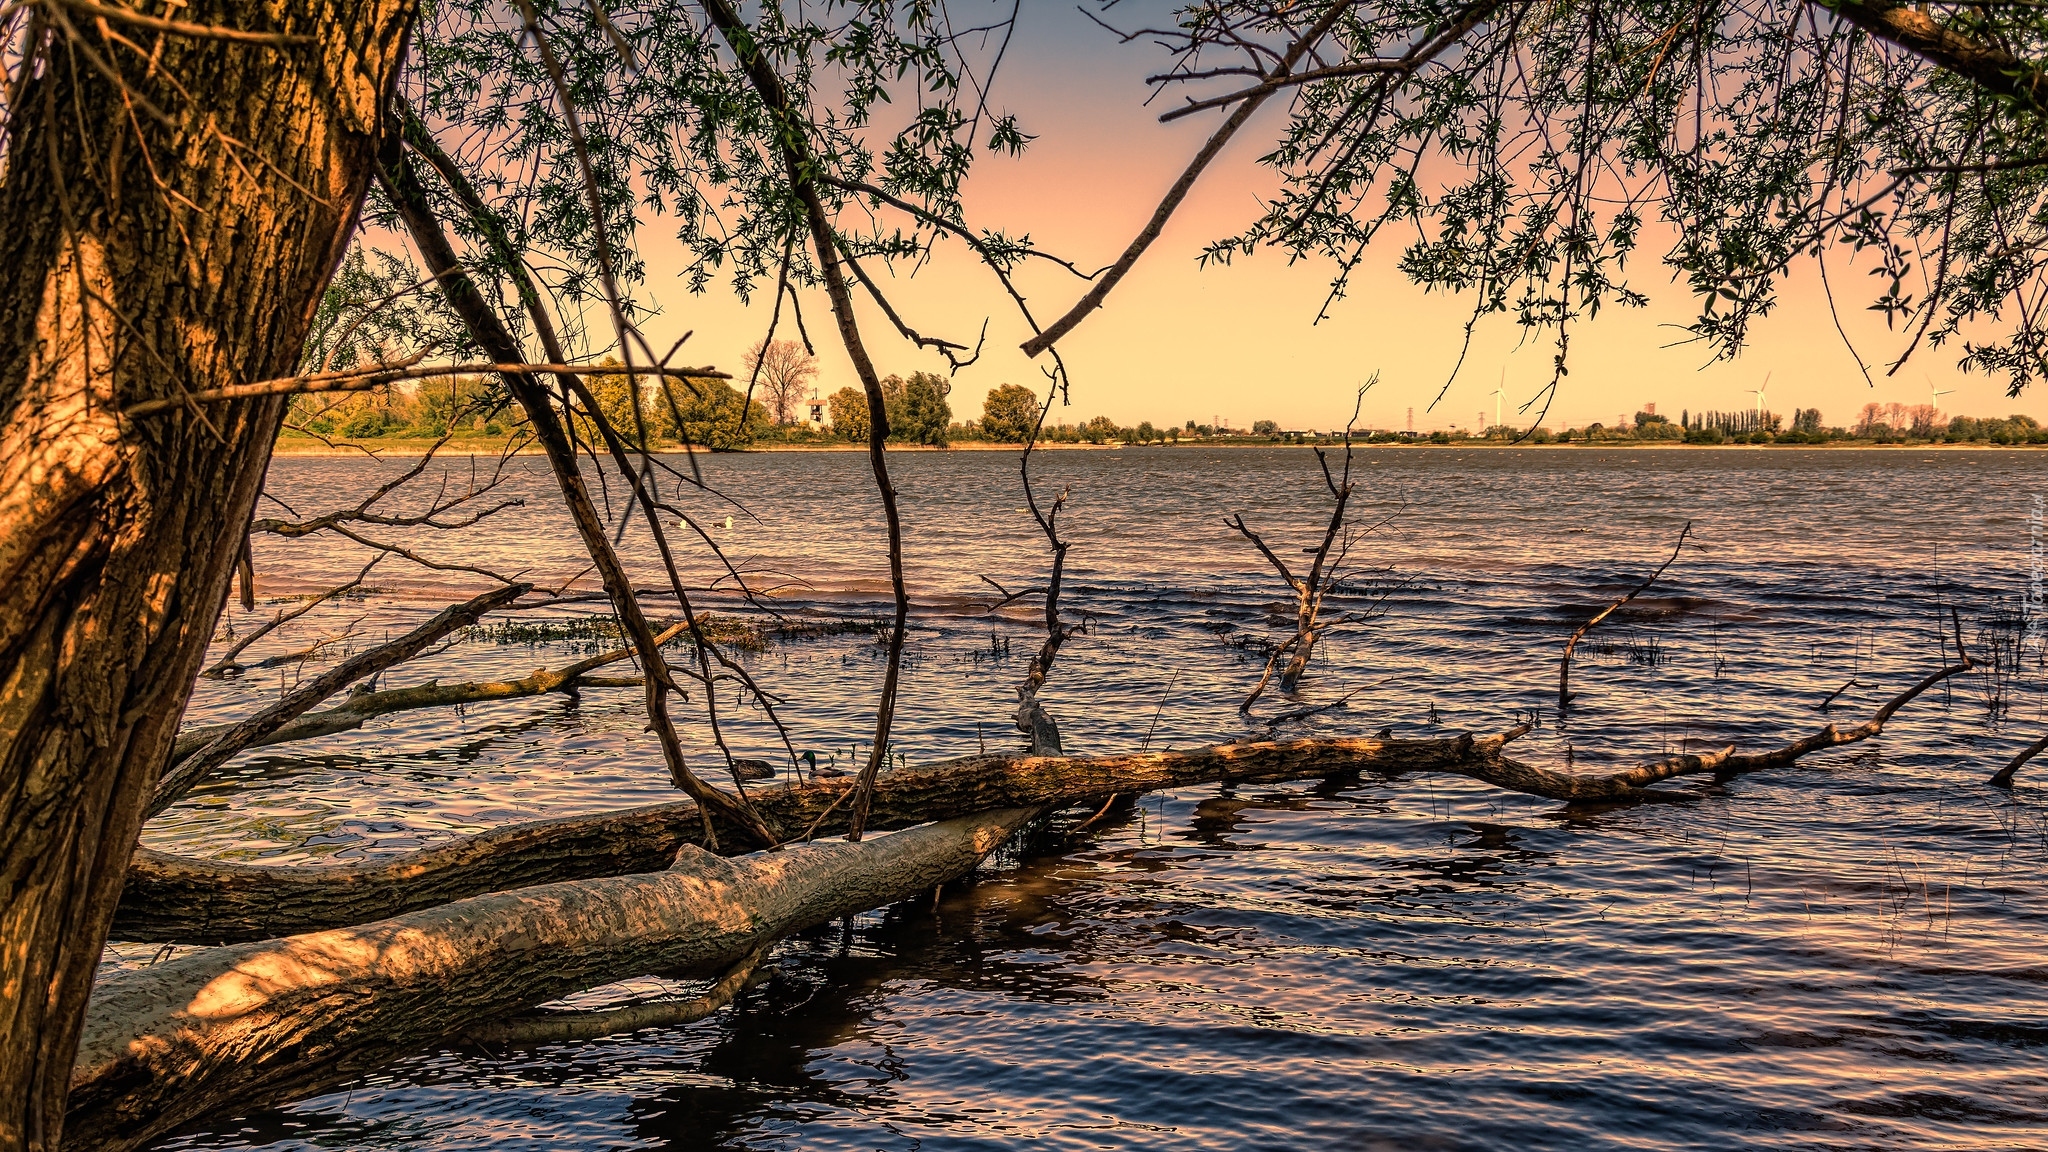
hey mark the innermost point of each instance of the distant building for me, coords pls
(817, 415)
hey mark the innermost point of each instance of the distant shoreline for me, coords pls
(412, 448)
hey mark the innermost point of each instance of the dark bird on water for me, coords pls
(811, 758)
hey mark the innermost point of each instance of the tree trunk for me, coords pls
(1297, 664)
(153, 244)
(250, 1023)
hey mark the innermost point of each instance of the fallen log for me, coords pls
(176, 899)
(247, 1024)
(173, 898)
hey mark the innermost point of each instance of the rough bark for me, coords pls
(171, 898)
(160, 236)
(246, 1024)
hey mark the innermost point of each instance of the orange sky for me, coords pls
(1179, 342)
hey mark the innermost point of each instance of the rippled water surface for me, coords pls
(1844, 953)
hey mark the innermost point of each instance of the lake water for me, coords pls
(1846, 953)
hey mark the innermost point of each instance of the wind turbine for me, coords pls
(1934, 395)
(1500, 393)
(1759, 390)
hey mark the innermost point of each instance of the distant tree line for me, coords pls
(708, 414)
(1878, 423)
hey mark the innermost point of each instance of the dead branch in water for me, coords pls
(1324, 575)
(171, 898)
(230, 665)
(180, 777)
(1564, 666)
(2003, 777)
(279, 1018)
(1037, 725)
(363, 706)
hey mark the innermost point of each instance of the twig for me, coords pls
(1174, 195)
(1146, 745)
(1823, 705)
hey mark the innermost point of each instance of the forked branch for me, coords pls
(1324, 576)
(230, 662)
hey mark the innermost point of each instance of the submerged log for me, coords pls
(247, 1024)
(176, 899)
(226, 743)
(2003, 777)
(361, 707)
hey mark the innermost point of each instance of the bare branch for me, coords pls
(400, 181)
(1564, 667)
(227, 665)
(364, 379)
(1179, 192)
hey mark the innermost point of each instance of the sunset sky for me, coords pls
(1179, 342)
